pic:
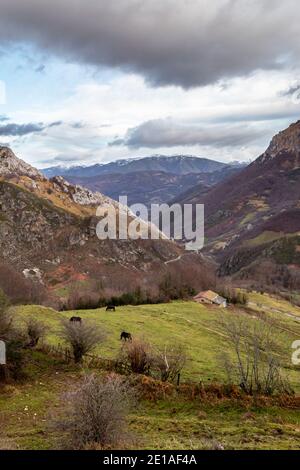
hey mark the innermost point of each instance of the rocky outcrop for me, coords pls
(79, 194)
(11, 165)
(287, 143)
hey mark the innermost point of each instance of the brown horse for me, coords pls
(110, 307)
(125, 336)
(76, 319)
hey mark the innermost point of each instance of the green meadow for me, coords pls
(173, 422)
(195, 326)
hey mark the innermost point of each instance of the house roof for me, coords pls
(210, 295)
(207, 294)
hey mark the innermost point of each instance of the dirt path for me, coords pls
(275, 310)
(196, 323)
(188, 253)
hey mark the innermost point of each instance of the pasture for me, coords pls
(195, 326)
(173, 422)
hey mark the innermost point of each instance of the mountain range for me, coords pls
(252, 218)
(177, 165)
(150, 180)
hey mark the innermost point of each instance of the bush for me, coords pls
(35, 331)
(97, 412)
(15, 358)
(136, 356)
(83, 337)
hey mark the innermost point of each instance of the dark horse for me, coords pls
(110, 307)
(126, 336)
(75, 319)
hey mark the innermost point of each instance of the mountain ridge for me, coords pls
(250, 212)
(176, 164)
(150, 180)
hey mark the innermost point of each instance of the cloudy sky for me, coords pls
(93, 81)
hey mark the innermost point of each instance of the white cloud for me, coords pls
(97, 113)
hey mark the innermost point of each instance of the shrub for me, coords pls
(136, 356)
(97, 412)
(15, 358)
(35, 331)
(83, 337)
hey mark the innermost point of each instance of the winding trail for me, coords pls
(275, 310)
(174, 260)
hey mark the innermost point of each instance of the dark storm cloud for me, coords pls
(292, 92)
(54, 124)
(181, 42)
(12, 129)
(168, 133)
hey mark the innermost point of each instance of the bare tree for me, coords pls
(96, 413)
(170, 361)
(83, 337)
(255, 363)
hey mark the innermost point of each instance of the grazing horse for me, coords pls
(76, 319)
(126, 336)
(110, 307)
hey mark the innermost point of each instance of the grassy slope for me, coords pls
(196, 326)
(170, 423)
(27, 411)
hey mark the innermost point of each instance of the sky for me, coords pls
(95, 81)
